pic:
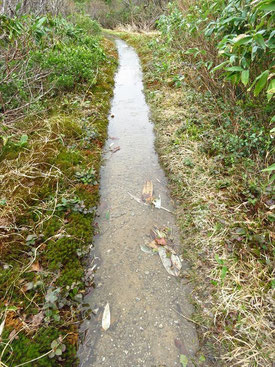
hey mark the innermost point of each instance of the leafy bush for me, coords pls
(60, 55)
(240, 32)
(246, 42)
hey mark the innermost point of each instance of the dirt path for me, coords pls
(145, 301)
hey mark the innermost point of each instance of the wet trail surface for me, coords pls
(145, 301)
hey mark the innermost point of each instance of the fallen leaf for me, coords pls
(170, 249)
(136, 199)
(183, 360)
(106, 318)
(157, 202)
(36, 267)
(147, 192)
(115, 149)
(153, 245)
(176, 263)
(161, 234)
(161, 241)
(4, 222)
(167, 262)
(146, 249)
(37, 319)
(12, 334)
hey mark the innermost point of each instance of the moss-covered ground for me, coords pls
(213, 153)
(49, 176)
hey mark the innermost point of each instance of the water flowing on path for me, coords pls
(145, 301)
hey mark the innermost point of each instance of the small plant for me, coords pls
(57, 347)
(87, 176)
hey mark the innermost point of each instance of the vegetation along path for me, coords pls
(146, 302)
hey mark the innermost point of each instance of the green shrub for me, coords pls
(60, 55)
(242, 33)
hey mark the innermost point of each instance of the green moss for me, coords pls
(80, 226)
(46, 189)
(70, 128)
(10, 151)
(65, 252)
(67, 159)
(51, 227)
(90, 198)
(25, 349)
(72, 273)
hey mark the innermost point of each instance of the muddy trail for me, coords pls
(146, 303)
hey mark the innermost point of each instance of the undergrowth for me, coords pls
(50, 156)
(214, 151)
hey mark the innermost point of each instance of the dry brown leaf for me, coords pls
(4, 222)
(36, 267)
(115, 149)
(12, 335)
(147, 192)
(37, 319)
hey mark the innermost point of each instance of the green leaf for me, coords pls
(241, 39)
(245, 77)
(3, 202)
(219, 261)
(202, 358)
(260, 40)
(58, 352)
(183, 360)
(224, 272)
(267, 7)
(23, 140)
(41, 21)
(271, 87)
(270, 168)
(54, 344)
(220, 66)
(234, 68)
(262, 79)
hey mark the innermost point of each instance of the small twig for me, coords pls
(137, 199)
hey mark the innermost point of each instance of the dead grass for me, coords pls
(240, 306)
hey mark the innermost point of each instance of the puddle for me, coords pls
(145, 301)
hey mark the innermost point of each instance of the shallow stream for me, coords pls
(146, 303)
